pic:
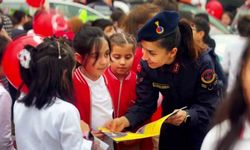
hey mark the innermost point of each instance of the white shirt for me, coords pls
(20, 27)
(5, 120)
(219, 131)
(56, 127)
(101, 102)
(232, 55)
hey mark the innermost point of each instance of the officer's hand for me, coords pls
(98, 134)
(118, 124)
(178, 118)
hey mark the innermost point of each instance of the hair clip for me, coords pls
(24, 58)
(59, 50)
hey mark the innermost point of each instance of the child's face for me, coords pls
(121, 59)
(225, 19)
(95, 69)
(246, 81)
(109, 30)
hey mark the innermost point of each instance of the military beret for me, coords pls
(161, 25)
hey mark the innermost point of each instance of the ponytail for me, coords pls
(186, 45)
(181, 38)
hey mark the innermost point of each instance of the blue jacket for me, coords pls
(183, 83)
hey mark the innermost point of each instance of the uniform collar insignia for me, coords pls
(138, 68)
(175, 68)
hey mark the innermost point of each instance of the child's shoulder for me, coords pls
(64, 106)
(63, 109)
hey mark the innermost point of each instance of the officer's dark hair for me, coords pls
(202, 25)
(243, 25)
(48, 74)
(234, 108)
(87, 39)
(122, 38)
(181, 38)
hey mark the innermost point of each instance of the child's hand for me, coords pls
(84, 126)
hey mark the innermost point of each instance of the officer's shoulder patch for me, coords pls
(208, 76)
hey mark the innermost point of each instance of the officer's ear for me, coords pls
(173, 52)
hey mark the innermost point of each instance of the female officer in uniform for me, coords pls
(171, 65)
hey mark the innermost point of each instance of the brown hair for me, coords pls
(75, 24)
(138, 17)
(167, 4)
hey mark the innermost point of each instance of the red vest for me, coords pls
(123, 92)
(137, 58)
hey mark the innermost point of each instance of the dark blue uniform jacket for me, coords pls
(183, 83)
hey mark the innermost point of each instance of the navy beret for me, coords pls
(161, 25)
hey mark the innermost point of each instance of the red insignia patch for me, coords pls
(138, 68)
(139, 79)
(208, 76)
(175, 68)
